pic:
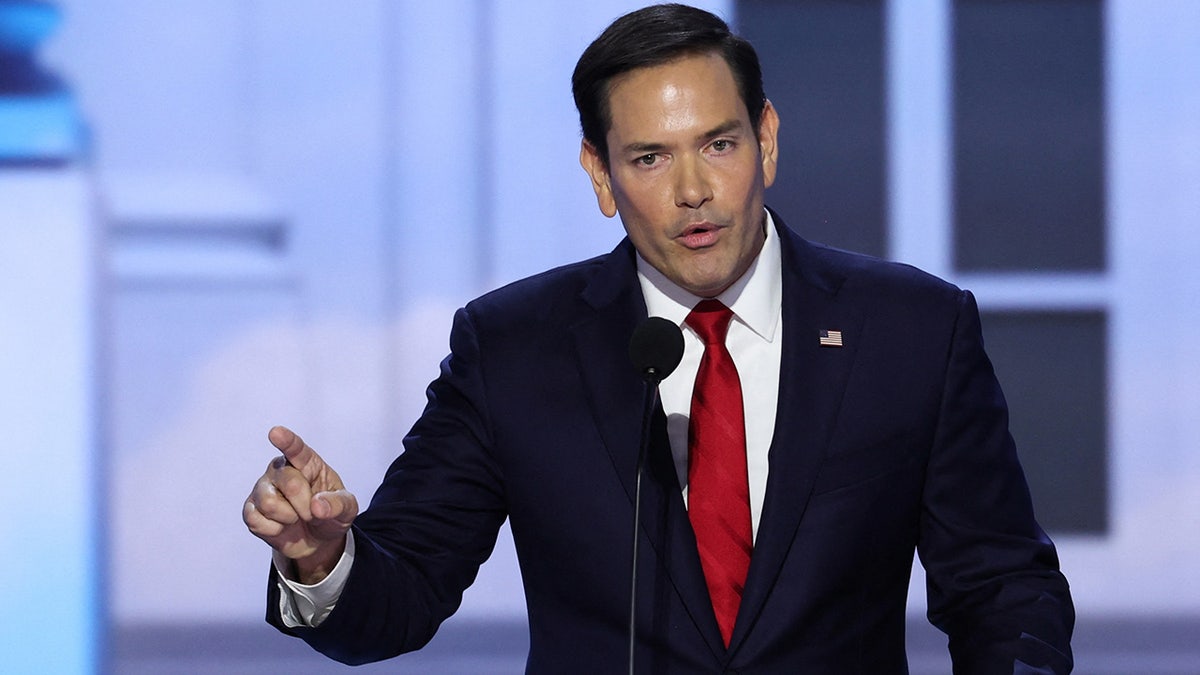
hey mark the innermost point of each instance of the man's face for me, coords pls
(686, 170)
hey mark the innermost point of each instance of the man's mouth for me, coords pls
(699, 235)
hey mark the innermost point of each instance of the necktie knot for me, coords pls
(710, 319)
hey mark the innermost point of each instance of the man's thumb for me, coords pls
(338, 505)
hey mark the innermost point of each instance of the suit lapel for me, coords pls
(812, 381)
(615, 393)
(601, 334)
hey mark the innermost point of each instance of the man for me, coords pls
(865, 423)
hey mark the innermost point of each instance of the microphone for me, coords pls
(655, 349)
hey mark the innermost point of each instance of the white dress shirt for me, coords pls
(755, 343)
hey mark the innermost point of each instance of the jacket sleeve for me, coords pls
(431, 524)
(993, 580)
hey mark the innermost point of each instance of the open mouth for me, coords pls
(699, 235)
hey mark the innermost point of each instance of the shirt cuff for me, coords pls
(307, 605)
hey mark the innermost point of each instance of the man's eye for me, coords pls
(721, 145)
(647, 160)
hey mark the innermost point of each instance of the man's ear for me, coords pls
(768, 135)
(593, 164)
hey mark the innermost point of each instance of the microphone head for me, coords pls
(656, 348)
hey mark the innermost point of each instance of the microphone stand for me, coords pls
(655, 349)
(652, 379)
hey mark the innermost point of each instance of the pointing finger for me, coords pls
(287, 441)
(296, 451)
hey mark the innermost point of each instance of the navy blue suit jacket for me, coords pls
(896, 441)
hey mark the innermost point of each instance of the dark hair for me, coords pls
(650, 37)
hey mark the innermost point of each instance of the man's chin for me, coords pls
(706, 287)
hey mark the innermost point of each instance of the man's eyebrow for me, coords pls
(640, 147)
(721, 129)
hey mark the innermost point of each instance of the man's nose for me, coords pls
(692, 186)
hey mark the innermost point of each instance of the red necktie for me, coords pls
(718, 490)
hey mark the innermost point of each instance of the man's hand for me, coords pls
(301, 508)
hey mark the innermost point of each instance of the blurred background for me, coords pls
(219, 216)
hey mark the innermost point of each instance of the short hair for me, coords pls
(653, 36)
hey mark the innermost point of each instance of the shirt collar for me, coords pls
(755, 298)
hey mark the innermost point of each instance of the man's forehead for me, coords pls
(696, 93)
(713, 59)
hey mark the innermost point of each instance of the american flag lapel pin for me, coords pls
(831, 338)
